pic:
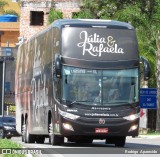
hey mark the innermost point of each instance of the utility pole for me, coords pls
(2, 79)
(158, 83)
(1, 33)
(2, 85)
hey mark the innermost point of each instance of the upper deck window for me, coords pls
(36, 18)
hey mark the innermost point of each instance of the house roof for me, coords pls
(9, 26)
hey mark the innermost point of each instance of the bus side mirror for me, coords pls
(146, 68)
(58, 66)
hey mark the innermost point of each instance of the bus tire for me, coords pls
(120, 142)
(54, 139)
(23, 132)
(28, 137)
(40, 139)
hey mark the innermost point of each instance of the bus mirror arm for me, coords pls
(146, 68)
(58, 66)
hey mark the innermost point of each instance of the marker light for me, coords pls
(68, 115)
(132, 117)
(68, 126)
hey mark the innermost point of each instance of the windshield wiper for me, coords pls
(121, 103)
(78, 102)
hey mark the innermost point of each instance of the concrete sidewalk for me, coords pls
(148, 136)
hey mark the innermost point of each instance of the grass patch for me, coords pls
(4, 143)
(153, 133)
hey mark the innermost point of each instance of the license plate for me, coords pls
(101, 130)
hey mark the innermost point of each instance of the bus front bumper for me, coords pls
(99, 127)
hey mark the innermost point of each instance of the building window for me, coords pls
(6, 51)
(37, 18)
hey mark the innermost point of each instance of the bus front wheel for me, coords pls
(54, 139)
(119, 141)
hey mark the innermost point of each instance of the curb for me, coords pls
(149, 136)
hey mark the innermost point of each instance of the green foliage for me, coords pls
(12, 108)
(13, 12)
(2, 4)
(54, 15)
(144, 15)
(83, 15)
(153, 133)
(4, 143)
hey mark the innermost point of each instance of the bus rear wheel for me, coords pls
(28, 138)
(23, 132)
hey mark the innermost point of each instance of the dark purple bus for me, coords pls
(79, 79)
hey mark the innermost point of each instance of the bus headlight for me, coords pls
(68, 115)
(132, 117)
(8, 127)
(68, 126)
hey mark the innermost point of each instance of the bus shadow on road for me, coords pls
(98, 143)
(103, 144)
(141, 146)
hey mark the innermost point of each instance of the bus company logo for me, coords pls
(102, 121)
(96, 45)
(101, 108)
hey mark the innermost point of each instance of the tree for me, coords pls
(158, 82)
(13, 12)
(54, 15)
(144, 15)
(2, 11)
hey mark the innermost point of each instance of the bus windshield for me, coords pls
(100, 87)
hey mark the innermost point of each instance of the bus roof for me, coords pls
(93, 23)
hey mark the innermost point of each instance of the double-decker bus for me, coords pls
(79, 79)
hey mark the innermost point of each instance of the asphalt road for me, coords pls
(147, 146)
